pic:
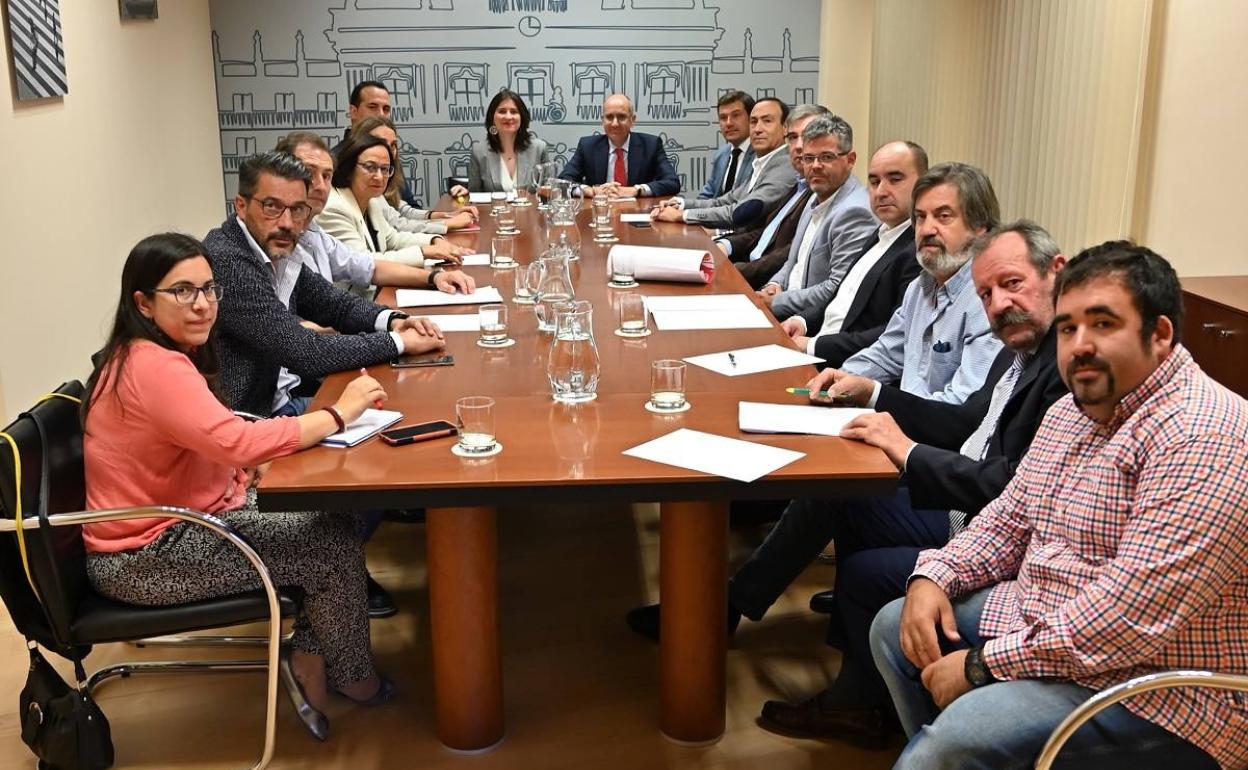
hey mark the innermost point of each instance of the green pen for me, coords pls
(823, 393)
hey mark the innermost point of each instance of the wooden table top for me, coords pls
(564, 452)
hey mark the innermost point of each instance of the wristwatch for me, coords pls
(395, 315)
(434, 274)
(976, 671)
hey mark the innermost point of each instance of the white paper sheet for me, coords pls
(724, 303)
(634, 217)
(656, 263)
(475, 260)
(478, 197)
(763, 358)
(717, 455)
(463, 322)
(677, 320)
(368, 424)
(753, 417)
(430, 298)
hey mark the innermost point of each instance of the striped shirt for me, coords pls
(937, 345)
(1119, 549)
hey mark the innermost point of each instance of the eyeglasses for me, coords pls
(273, 209)
(372, 169)
(185, 294)
(824, 158)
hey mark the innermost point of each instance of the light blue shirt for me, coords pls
(769, 232)
(937, 345)
(333, 259)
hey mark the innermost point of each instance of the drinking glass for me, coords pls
(506, 220)
(667, 385)
(527, 279)
(474, 417)
(602, 221)
(497, 200)
(502, 252)
(493, 322)
(622, 275)
(633, 317)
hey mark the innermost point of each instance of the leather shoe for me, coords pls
(823, 602)
(808, 719)
(645, 620)
(380, 603)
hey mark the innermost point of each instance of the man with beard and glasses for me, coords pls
(955, 458)
(1117, 550)
(939, 343)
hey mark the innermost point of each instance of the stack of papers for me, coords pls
(369, 424)
(753, 417)
(717, 455)
(432, 298)
(634, 217)
(763, 358)
(484, 197)
(706, 311)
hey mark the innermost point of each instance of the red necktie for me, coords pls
(621, 176)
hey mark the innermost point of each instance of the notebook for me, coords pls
(369, 424)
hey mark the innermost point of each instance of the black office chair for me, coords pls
(66, 616)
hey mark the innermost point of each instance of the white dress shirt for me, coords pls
(819, 212)
(758, 163)
(505, 179)
(838, 308)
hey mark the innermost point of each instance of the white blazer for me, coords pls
(343, 220)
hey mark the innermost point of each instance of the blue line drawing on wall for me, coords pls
(282, 66)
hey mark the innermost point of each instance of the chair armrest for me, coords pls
(248, 416)
(1166, 680)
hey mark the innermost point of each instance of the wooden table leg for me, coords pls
(693, 589)
(463, 609)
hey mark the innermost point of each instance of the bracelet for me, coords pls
(342, 425)
(434, 274)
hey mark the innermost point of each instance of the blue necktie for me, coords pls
(769, 233)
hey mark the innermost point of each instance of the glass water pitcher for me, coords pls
(574, 365)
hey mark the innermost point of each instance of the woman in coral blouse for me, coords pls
(156, 433)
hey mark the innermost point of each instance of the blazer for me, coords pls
(257, 335)
(483, 172)
(343, 220)
(719, 168)
(847, 226)
(760, 271)
(937, 475)
(647, 163)
(877, 298)
(771, 186)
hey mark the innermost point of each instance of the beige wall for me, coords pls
(131, 150)
(845, 44)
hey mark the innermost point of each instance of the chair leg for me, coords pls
(194, 640)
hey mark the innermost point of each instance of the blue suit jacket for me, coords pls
(719, 167)
(647, 163)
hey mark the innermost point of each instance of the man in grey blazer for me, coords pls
(770, 182)
(731, 165)
(834, 229)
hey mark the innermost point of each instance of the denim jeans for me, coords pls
(296, 406)
(1004, 725)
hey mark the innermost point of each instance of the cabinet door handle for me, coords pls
(1210, 327)
(1225, 334)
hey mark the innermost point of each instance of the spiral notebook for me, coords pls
(367, 425)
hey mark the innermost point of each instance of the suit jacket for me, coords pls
(848, 224)
(483, 172)
(647, 163)
(760, 271)
(719, 168)
(256, 334)
(770, 187)
(937, 475)
(343, 220)
(877, 298)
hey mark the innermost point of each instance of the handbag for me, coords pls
(62, 725)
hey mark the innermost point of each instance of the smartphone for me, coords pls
(407, 362)
(410, 434)
(640, 224)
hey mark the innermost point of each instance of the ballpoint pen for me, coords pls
(732, 359)
(824, 393)
(376, 401)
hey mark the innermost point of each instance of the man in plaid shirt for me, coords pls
(1117, 550)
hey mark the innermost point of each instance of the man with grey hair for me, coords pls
(835, 226)
(621, 162)
(768, 183)
(760, 250)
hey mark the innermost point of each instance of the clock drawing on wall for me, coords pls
(529, 26)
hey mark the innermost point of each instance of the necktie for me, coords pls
(621, 176)
(731, 177)
(977, 443)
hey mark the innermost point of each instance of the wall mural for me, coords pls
(282, 66)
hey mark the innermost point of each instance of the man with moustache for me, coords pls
(1115, 551)
(836, 224)
(621, 162)
(874, 287)
(259, 331)
(955, 458)
(769, 182)
(731, 165)
(938, 344)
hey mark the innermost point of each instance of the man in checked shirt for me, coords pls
(1116, 550)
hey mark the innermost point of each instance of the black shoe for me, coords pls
(380, 603)
(645, 620)
(865, 727)
(823, 602)
(316, 722)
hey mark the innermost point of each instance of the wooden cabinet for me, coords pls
(1215, 327)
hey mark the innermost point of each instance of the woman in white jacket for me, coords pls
(355, 211)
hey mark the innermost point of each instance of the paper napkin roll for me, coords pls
(655, 263)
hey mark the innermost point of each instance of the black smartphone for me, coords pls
(410, 434)
(407, 362)
(640, 224)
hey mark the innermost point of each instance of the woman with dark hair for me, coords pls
(157, 433)
(355, 210)
(401, 216)
(505, 161)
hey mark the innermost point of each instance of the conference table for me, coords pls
(557, 453)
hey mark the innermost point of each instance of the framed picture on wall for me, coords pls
(137, 9)
(37, 49)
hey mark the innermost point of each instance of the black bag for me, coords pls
(62, 725)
